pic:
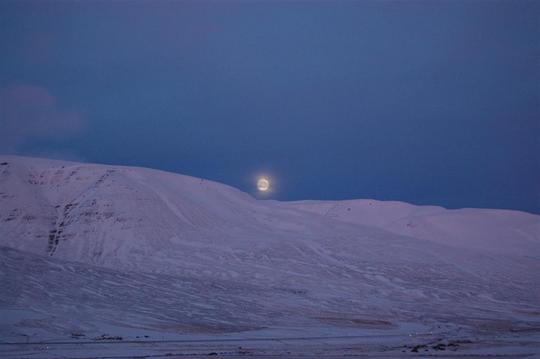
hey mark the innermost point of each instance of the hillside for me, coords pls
(93, 248)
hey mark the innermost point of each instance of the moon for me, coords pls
(263, 184)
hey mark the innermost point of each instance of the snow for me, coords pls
(95, 249)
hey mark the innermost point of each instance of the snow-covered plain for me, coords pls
(112, 261)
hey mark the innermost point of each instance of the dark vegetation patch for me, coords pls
(108, 337)
(441, 346)
(77, 335)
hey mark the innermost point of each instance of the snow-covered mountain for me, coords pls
(91, 248)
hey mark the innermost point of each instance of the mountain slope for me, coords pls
(78, 237)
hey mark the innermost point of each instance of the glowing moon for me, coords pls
(263, 184)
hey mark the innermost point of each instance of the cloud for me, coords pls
(30, 113)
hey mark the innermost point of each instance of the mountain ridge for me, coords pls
(90, 190)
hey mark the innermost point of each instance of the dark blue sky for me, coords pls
(429, 102)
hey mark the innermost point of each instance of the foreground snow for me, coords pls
(88, 250)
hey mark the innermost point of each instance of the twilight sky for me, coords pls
(429, 102)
